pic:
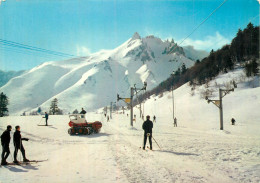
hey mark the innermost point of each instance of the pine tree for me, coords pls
(183, 68)
(251, 68)
(75, 111)
(3, 105)
(39, 110)
(54, 107)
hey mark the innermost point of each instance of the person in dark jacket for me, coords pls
(233, 121)
(175, 122)
(148, 130)
(154, 118)
(46, 116)
(18, 144)
(83, 111)
(5, 141)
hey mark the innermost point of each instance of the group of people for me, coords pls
(18, 145)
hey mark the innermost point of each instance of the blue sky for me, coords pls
(80, 27)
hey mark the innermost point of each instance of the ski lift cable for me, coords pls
(199, 25)
(24, 46)
(30, 49)
(224, 38)
(26, 53)
(20, 45)
(37, 54)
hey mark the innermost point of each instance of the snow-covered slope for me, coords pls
(196, 151)
(5, 76)
(191, 108)
(94, 81)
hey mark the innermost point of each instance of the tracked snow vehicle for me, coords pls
(79, 125)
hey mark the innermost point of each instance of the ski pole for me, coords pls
(40, 121)
(156, 143)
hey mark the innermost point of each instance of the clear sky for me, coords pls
(81, 27)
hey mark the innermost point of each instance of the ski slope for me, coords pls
(196, 151)
(187, 155)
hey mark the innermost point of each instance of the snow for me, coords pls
(196, 151)
(76, 82)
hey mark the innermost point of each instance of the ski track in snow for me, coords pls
(114, 155)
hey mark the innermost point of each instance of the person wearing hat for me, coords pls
(148, 130)
(19, 145)
(5, 141)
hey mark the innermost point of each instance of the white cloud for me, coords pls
(83, 51)
(209, 42)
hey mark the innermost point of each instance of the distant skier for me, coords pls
(142, 117)
(148, 130)
(83, 111)
(46, 116)
(107, 118)
(154, 118)
(18, 145)
(233, 121)
(127, 114)
(105, 114)
(175, 122)
(5, 141)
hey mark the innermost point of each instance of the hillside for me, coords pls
(5, 76)
(243, 52)
(196, 151)
(92, 82)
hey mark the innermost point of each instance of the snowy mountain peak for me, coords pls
(81, 82)
(136, 36)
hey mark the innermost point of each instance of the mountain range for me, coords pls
(93, 81)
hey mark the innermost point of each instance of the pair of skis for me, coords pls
(148, 134)
(25, 163)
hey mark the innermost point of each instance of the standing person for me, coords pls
(83, 111)
(154, 118)
(175, 122)
(233, 121)
(19, 145)
(148, 130)
(5, 141)
(46, 116)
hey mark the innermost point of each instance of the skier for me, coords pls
(233, 121)
(154, 118)
(175, 122)
(5, 140)
(46, 116)
(107, 118)
(19, 145)
(148, 127)
(83, 111)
